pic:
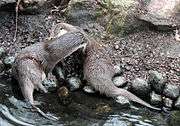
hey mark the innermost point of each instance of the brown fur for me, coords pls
(35, 61)
(99, 70)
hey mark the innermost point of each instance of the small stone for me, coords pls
(1, 66)
(59, 72)
(168, 102)
(2, 52)
(74, 83)
(157, 81)
(89, 89)
(171, 91)
(177, 103)
(124, 102)
(116, 47)
(156, 99)
(64, 95)
(119, 81)
(49, 84)
(8, 61)
(140, 87)
(63, 92)
(118, 70)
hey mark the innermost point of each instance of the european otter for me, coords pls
(99, 70)
(34, 62)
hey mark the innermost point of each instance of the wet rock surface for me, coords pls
(177, 103)
(122, 101)
(156, 99)
(140, 87)
(168, 102)
(119, 81)
(171, 91)
(157, 81)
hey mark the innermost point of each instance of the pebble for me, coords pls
(124, 102)
(168, 102)
(74, 83)
(89, 89)
(8, 61)
(157, 81)
(1, 66)
(59, 72)
(156, 99)
(171, 91)
(177, 103)
(50, 84)
(63, 92)
(140, 87)
(119, 81)
(116, 47)
(118, 70)
(2, 52)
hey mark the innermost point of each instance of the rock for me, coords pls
(74, 83)
(8, 61)
(157, 81)
(89, 89)
(168, 102)
(116, 47)
(156, 99)
(118, 70)
(64, 95)
(1, 66)
(5, 2)
(63, 92)
(162, 13)
(50, 84)
(124, 102)
(59, 73)
(171, 91)
(177, 103)
(2, 52)
(140, 87)
(119, 81)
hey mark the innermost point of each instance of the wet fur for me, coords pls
(34, 62)
(99, 70)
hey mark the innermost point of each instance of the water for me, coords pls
(83, 110)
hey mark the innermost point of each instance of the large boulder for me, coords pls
(162, 13)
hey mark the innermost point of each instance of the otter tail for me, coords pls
(113, 91)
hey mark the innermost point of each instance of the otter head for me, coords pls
(61, 29)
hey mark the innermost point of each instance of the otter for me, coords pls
(33, 63)
(99, 70)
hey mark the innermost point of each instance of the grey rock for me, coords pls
(74, 83)
(4, 2)
(140, 87)
(2, 52)
(157, 81)
(89, 89)
(59, 72)
(123, 101)
(156, 99)
(8, 61)
(177, 103)
(168, 102)
(49, 84)
(171, 91)
(1, 66)
(119, 81)
(162, 13)
(118, 70)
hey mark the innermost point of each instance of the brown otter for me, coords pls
(99, 70)
(34, 62)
